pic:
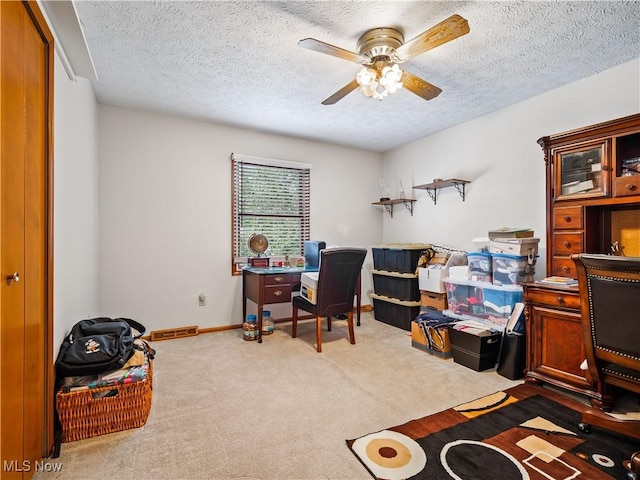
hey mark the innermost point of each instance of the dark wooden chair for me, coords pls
(610, 308)
(337, 280)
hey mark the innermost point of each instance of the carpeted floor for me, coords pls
(523, 432)
(224, 408)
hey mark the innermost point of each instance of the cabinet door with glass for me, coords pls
(582, 170)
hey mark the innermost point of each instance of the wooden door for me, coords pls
(25, 238)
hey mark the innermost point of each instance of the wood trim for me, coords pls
(363, 308)
(47, 38)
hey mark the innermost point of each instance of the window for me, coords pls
(270, 197)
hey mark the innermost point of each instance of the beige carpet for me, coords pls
(224, 408)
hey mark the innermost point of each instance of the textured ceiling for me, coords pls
(237, 63)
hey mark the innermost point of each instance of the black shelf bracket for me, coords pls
(432, 188)
(388, 204)
(409, 206)
(433, 193)
(460, 188)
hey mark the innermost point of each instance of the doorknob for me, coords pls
(15, 277)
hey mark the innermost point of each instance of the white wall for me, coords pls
(165, 213)
(75, 204)
(498, 153)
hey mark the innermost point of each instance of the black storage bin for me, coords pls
(397, 258)
(395, 312)
(402, 288)
(478, 352)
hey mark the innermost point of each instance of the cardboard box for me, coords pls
(430, 277)
(309, 286)
(474, 347)
(436, 342)
(516, 246)
(434, 301)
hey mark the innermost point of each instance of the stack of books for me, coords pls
(506, 233)
(555, 280)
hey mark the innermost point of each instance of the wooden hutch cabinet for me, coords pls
(593, 206)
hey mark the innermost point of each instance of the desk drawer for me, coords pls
(277, 279)
(277, 293)
(553, 298)
(567, 243)
(567, 218)
(564, 267)
(625, 186)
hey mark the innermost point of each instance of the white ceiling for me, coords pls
(237, 63)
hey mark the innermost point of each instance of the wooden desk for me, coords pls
(555, 347)
(265, 286)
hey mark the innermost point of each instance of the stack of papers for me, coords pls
(556, 280)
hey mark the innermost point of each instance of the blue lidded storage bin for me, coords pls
(513, 269)
(480, 266)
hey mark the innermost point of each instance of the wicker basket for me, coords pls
(98, 411)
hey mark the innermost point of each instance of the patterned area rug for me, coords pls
(526, 432)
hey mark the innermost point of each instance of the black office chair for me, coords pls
(610, 308)
(337, 280)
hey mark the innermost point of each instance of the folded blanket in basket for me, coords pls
(115, 377)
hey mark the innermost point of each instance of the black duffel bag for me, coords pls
(97, 345)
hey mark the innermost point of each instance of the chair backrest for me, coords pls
(610, 307)
(337, 279)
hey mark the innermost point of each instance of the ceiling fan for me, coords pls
(380, 50)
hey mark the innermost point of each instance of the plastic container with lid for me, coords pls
(268, 325)
(480, 266)
(250, 328)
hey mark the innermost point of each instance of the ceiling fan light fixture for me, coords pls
(380, 50)
(391, 78)
(370, 90)
(379, 82)
(366, 76)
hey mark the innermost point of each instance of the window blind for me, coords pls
(270, 197)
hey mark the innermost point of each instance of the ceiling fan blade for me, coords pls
(322, 47)
(343, 92)
(453, 27)
(419, 86)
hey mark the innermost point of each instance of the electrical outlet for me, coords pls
(202, 300)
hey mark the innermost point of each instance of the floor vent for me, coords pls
(174, 333)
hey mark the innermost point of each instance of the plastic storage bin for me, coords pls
(480, 266)
(488, 303)
(403, 286)
(392, 311)
(400, 258)
(512, 269)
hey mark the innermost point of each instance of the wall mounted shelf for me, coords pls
(388, 204)
(432, 188)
